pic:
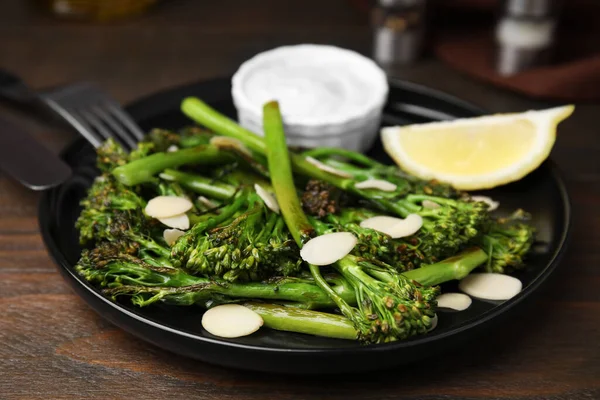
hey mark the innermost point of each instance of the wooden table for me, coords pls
(52, 346)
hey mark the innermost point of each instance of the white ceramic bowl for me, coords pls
(328, 96)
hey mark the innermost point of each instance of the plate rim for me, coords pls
(52, 247)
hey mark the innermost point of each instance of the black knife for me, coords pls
(27, 161)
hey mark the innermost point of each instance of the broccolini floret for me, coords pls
(251, 245)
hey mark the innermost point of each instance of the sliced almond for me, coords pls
(207, 202)
(454, 301)
(267, 197)
(172, 148)
(181, 221)
(492, 205)
(394, 227)
(327, 168)
(231, 321)
(329, 248)
(434, 323)
(376, 184)
(171, 235)
(430, 204)
(490, 286)
(167, 206)
(224, 142)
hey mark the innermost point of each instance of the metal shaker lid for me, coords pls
(531, 8)
(400, 3)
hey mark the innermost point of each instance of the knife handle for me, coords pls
(13, 89)
(17, 94)
(28, 161)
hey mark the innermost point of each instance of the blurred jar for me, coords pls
(399, 31)
(96, 10)
(525, 34)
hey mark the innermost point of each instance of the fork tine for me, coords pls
(76, 122)
(95, 123)
(120, 115)
(118, 130)
(95, 114)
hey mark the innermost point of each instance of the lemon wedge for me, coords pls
(476, 153)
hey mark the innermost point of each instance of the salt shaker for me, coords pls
(525, 34)
(399, 29)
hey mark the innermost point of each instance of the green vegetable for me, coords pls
(507, 241)
(237, 250)
(114, 212)
(162, 139)
(363, 168)
(144, 169)
(302, 321)
(120, 273)
(115, 265)
(390, 307)
(456, 224)
(199, 184)
(251, 246)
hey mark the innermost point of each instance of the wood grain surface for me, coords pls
(52, 346)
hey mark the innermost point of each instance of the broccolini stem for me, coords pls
(226, 212)
(456, 267)
(350, 168)
(143, 169)
(150, 244)
(193, 289)
(348, 154)
(212, 119)
(285, 191)
(239, 177)
(204, 114)
(200, 184)
(281, 175)
(145, 295)
(289, 291)
(294, 319)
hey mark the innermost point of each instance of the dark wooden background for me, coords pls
(53, 347)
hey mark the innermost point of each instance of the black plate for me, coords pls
(179, 329)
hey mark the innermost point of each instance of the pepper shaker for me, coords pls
(525, 34)
(399, 29)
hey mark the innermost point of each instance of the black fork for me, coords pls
(86, 107)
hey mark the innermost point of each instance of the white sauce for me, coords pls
(309, 91)
(313, 84)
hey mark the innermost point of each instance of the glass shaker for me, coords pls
(525, 34)
(399, 30)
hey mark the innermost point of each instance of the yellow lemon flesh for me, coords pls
(476, 153)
